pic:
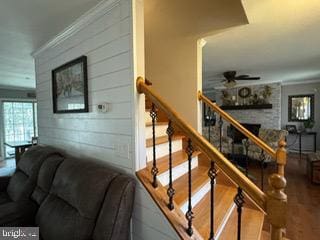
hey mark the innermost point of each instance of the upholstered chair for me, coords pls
(269, 136)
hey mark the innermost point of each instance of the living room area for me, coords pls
(266, 76)
(124, 105)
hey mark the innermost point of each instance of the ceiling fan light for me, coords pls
(230, 84)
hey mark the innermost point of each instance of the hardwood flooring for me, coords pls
(303, 199)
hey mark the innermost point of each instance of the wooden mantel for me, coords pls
(243, 107)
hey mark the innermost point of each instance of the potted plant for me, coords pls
(308, 124)
(266, 93)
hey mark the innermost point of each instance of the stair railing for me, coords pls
(277, 181)
(273, 203)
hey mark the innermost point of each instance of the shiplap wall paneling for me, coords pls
(106, 38)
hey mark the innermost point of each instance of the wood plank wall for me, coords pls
(107, 40)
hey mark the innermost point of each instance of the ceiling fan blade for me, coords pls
(242, 76)
(249, 78)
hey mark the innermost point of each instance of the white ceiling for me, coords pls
(25, 26)
(280, 43)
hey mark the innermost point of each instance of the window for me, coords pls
(20, 123)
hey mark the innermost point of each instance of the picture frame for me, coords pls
(291, 128)
(301, 108)
(244, 92)
(70, 87)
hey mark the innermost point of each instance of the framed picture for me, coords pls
(70, 87)
(301, 108)
(291, 128)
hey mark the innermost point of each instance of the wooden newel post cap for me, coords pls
(282, 143)
(282, 153)
(277, 183)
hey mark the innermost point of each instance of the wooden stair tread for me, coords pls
(199, 177)
(162, 139)
(176, 217)
(148, 124)
(223, 203)
(265, 235)
(251, 228)
(177, 158)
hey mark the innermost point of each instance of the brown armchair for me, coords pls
(269, 136)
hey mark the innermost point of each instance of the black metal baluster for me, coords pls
(262, 161)
(212, 174)
(232, 133)
(189, 213)
(246, 145)
(170, 191)
(209, 122)
(209, 129)
(154, 169)
(220, 130)
(239, 201)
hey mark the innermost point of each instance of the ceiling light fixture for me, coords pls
(230, 84)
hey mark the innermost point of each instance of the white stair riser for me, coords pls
(177, 171)
(163, 149)
(147, 117)
(196, 198)
(161, 130)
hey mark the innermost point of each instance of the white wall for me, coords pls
(107, 35)
(174, 30)
(106, 41)
(298, 89)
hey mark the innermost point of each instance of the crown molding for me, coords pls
(300, 82)
(84, 20)
(16, 88)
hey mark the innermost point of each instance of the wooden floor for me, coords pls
(303, 200)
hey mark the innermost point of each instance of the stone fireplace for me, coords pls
(268, 118)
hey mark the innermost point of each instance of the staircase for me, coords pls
(185, 182)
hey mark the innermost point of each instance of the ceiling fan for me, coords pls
(231, 78)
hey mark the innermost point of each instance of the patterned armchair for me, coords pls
(269, 136)
(215, 139)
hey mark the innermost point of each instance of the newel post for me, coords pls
(281, 157)
(277, 206)
(276, 198)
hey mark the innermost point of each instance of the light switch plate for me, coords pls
(122, 150)
(103, 107)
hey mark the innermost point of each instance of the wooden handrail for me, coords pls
(238, 126)
(198, 140)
